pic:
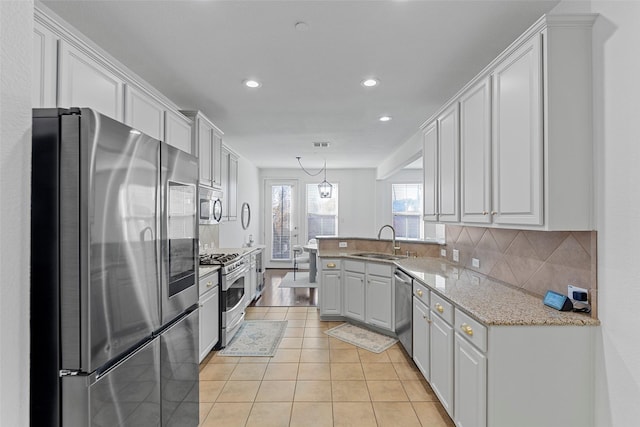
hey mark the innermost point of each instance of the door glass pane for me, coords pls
(281, 216)
(322, 213)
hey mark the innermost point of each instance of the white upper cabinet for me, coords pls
(475, 154)
(178, 131)
(208, 142)
(430, 169)
(143, 112)
(448, 168)
(86, 82)
(205, 138)
(517, 137)
(44, 77)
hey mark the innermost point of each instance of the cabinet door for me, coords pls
(224, 181)
(216, 160)
(209, 321)
(143, 112)
(205, 140)
(441, 359)
(252, 278)
(232, 191)
(379, 301)
(517, 137)
(178, 131)
(85, 82)
(354, 295)
(448, 167)
(44, 66)
(330, 292)
(421, 337)
(430, 169)
(475, 154)
(470, 375)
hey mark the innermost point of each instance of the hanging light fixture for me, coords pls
(324, 188)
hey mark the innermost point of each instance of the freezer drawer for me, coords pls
(179, 372)
(126, 395)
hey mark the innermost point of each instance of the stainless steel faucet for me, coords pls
(394, 248)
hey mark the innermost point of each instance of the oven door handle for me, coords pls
(240, 320)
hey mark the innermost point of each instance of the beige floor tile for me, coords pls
(269, 414)
(336, 343)
(314, 355)
(205, 407)
(217, 372)
(248, 372)
(307, 414)
(346, 371)
(257, 309)
(367, 356)
(349, 391)
(278, 310)
(344, 355)
(275, 316)
(387, 391)
(313, 310)
(396, 355)
(210, 390)
(239, 391)
(315, 342)
(297, 323)
(353, 414)
(314, 332)
(396, 414)
(419, 391)
(286, 355)
(313, 316)
(228, 415)
(407, 372)
(315, 323)
(229, 360)
(281, 372)
(254, 359)
(379, 371)
(254, 316)
(297, 310)
(293, 332)
(276, 391)
(296, 315)
(313, 391)
(432, 414)
(314, 371)
(291, 343)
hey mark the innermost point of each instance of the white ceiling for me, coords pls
(198, 53)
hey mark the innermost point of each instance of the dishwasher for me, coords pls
(403, 285)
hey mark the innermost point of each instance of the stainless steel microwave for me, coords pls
(210, 205)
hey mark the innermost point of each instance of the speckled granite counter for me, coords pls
(205, 270)
(489, 301)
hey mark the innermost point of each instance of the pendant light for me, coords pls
(324, 188)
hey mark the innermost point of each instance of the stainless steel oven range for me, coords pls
(232, 297)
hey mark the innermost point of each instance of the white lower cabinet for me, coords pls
(378, 294)
(441, 359)
(470, 387)
(330, 288)
(209, 321)
(421, 326)
(354, 295)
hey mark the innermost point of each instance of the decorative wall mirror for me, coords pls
(245, 215)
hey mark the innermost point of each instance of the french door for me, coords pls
(281, 222)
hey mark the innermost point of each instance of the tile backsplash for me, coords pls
(535, 261)
(210, 236)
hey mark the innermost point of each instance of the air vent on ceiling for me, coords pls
(321, 144)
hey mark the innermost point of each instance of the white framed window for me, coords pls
(322, 214)
(406, 208)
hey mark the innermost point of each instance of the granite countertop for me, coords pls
(351, 254)
(489, 301)
(205, 270)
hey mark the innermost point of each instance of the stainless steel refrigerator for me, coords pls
(114, 319)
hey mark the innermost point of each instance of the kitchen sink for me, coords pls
(376, 255)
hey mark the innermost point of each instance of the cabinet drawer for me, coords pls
(472, 330)
(421, 292)
(355, 266)
(330, 264)
(442, 308)
(208, 282)
(384, 270)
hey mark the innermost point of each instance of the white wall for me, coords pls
(16, 29)
(409, 151)
(249, 185)
(616, 42)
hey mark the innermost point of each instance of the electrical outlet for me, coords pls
(342, 244)
(475, 262)
(456, 255)
(443, 252)
(571, 289)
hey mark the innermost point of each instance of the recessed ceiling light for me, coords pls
(370, 82)
(384, 118)
(252, 83)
